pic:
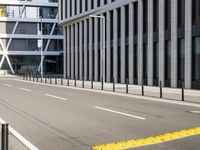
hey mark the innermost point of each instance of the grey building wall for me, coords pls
(145, 41)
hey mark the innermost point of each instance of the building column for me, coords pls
(115, 46)
(96, 49)
(85, 49)
(64, 8)
(68, 51)
(73, 7)
(76, 50)
(140, 41)
(68, 8)
(123, 44)
(65, 53)
(188, 44)
(78, 6)
(174, 41)
(90, 49)
(89, 4)
(72, 51)
(131, 44)
(59, 10)
(108, 47)
(162, 41)
(80, 52)
(150, 42)
(83, 5)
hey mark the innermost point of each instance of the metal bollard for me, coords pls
(127, 82)
(92, 83)
(102, 83)
(41, 79)
(29, 76)
(183, 95)
(161, 95)
(61, 81)
(143, 87)
(113, 84)
(83, 84)
(4, 136)
(74, 82)
(50, 80)
(45, 79)
(67, 81)
(37, 78)
(55, 81)
(24, 77)
(33, 78)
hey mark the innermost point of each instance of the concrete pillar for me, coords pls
(80, 51)
(64, 9)
(65, 53)
(115, 46)
(89, 4)
(161, 41)
(90, 50)
(78, 6)
(123, 44)
(174, 41)
(108, 47)
(68, 50)
(150, 42)
(76, 50)
(140, 41)
(83, 5)
(131, 44)
(85, 49)
(68, 8)
(72, 51)
(96, 50)
(73, 7)
(95, 4)
(188, 43)
(59, 9)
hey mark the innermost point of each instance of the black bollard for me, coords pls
(74, 82)
(113, 84)
(127, 82)
(67, 80)
(102, 83)
(161, 95)
(92, 83)
(4, 136)
(143, 87)
(50, 80)
(183, 95)
(61, 81)
(83, 84)
(55, 81)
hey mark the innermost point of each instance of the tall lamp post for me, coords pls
(41, 50)
(102, 18)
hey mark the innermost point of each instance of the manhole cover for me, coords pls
(195, 111)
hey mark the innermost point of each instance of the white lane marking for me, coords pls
(57, 97)
(8, 85)
(27, 90)
(121, 113)
(20, 137)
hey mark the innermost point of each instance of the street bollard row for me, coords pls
(31, 77)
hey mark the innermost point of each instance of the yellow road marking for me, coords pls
(149, 141)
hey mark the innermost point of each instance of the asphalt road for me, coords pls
(56, 118)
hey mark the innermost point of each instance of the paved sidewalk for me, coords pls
(150, 91)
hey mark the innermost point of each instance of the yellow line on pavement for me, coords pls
(149, 141)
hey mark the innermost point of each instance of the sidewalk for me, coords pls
(150, 91)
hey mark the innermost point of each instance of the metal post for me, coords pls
(75, 82)
(102, 83)
(83, 84)
(142, 87)
(4, 137)
(92, 83)
(50, 80)
(67, 80)
(41, 79)
(161, 95)
(45, 79)
(24, 76)
(37, 78)
(183, 95)
(113, 84)
(61, 81)
(33, 78)
(55, 81)
(29, 76)
(127, 82)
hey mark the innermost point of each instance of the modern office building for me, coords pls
(21, 39)
(140, 40)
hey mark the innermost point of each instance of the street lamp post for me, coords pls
(102, 18)
(41, 51)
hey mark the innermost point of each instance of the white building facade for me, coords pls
(21, 39)
(142, 41)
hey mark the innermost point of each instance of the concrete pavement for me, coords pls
(62, 118)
